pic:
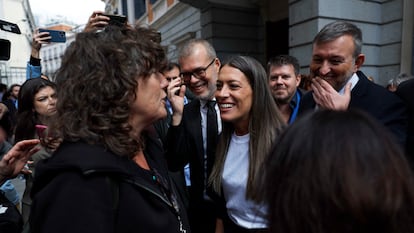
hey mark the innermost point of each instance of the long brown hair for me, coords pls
(26, 117)
(264, 126)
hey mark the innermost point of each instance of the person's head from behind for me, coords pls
(338, 172)
(284, 77)
(112, 83)
(199, 67)
(37, 105)
(336, 53)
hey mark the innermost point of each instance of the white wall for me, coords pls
(13, 11)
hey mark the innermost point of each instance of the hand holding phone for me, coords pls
(55, 35)
(49, 140)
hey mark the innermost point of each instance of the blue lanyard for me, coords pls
(296, 109)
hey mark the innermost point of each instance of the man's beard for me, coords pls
(280, 100)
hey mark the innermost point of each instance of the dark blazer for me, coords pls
(185, 145)
(178, 177)
(375, 100)
(406, 92)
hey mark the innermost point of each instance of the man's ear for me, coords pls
(360, 59)
(217, 63)
(298, 79)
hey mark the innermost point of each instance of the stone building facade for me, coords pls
(264, 28)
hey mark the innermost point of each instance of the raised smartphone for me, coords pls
(118, 20)
(41, 131)
(57, 36)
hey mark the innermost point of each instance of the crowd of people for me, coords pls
(125, 140)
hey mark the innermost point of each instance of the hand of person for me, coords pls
(16, 158)
(96, 21)
(175, 94)
(327, 97)
(39, 38)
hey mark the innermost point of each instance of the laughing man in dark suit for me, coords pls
(338, 83)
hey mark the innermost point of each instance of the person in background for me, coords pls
(251, 122)
(109, 173)
(12, 95)
(187, 138)
(180, 178)
(34, 68)
(4, 121)
(305, 82)
(395, 82)
(356, 180)
(339, 84)
(3, 90)
(406, 91)
(37, 107)
(284, 79)
(172, 72)
(10, 101)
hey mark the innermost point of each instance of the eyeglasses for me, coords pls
(197, 73)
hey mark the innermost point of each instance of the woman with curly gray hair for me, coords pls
(108, 175)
